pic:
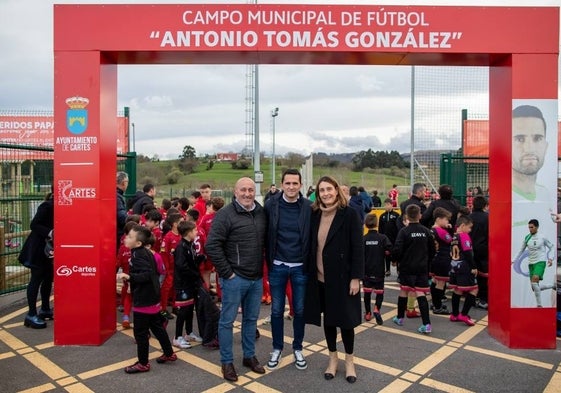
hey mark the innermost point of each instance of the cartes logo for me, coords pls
(64, 271)
(86, 271)
(77, 115)
(67, 193)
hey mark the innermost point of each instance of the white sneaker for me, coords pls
(267, 320)
(299, 360)
(193, 337)
(180, 342)
(274, 360)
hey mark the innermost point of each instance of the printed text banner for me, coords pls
(171, 33)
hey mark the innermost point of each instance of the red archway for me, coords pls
(91, 40)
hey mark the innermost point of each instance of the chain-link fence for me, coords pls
(26, 178)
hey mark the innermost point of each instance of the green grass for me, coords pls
(223, 177)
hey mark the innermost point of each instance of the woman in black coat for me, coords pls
(336, 266)
(34, 257)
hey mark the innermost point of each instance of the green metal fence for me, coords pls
(464, 174)
(26, 176)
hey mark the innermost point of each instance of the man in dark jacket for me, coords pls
(235, 246)
(447, 202)
(145, 199)
(122, 184)
(288, 246)
(480, 240)
(417, 197)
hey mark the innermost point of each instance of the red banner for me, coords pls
(476, 138)
(38, 131)
(295, 28)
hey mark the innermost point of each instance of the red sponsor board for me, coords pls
(38, 131)
(476, 138)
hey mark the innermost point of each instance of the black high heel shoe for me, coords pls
(34, 322)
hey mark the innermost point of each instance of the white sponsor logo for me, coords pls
(86, 271)
(67, 193)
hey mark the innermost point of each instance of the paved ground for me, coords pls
(455, 358)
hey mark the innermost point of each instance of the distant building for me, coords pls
(227, 156)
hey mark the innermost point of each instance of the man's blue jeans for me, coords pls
(278, 277)
(235, 292)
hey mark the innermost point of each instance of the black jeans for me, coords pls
(41, 277)
(142, 324)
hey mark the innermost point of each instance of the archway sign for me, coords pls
(519, 45)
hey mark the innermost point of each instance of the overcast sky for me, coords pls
(321, 108)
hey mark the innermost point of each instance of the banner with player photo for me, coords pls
(534, 203)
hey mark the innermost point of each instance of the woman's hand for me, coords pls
(354, 287)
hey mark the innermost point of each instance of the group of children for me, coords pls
(427, 261)
(161, 258)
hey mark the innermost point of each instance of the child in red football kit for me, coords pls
(145, 288)
(212, 206)
(169, 243)
(153, 220)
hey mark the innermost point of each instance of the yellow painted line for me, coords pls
(260, 388)
(19, 312)
(45, 365)
(11, 340)
(13, 315)
(78, 388)
(362, 328)
(6, 355)
(554, 383)
(397, 386)
(431, 383)
(469, 333)
(513, 358)
(222, 388)
(39, 389)
(415, 335)
(377, 366)
(315, 348)
(66, 381)
(411, 377)
(112, 367)
(242, 380)
(13, 325)
(45, 346)
(203, 364)
(454, 344)
(433, 360)
(23, 351)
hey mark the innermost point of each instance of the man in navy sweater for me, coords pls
(288, 245)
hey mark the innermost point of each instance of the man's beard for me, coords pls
(529, 168)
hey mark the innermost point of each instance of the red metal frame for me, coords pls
(91, 40)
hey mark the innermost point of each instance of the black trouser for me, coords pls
(483, 280)
(184, 317)
(41, 277)
(208, 315)
(142, 324)
(388, 262)
(347, 335)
